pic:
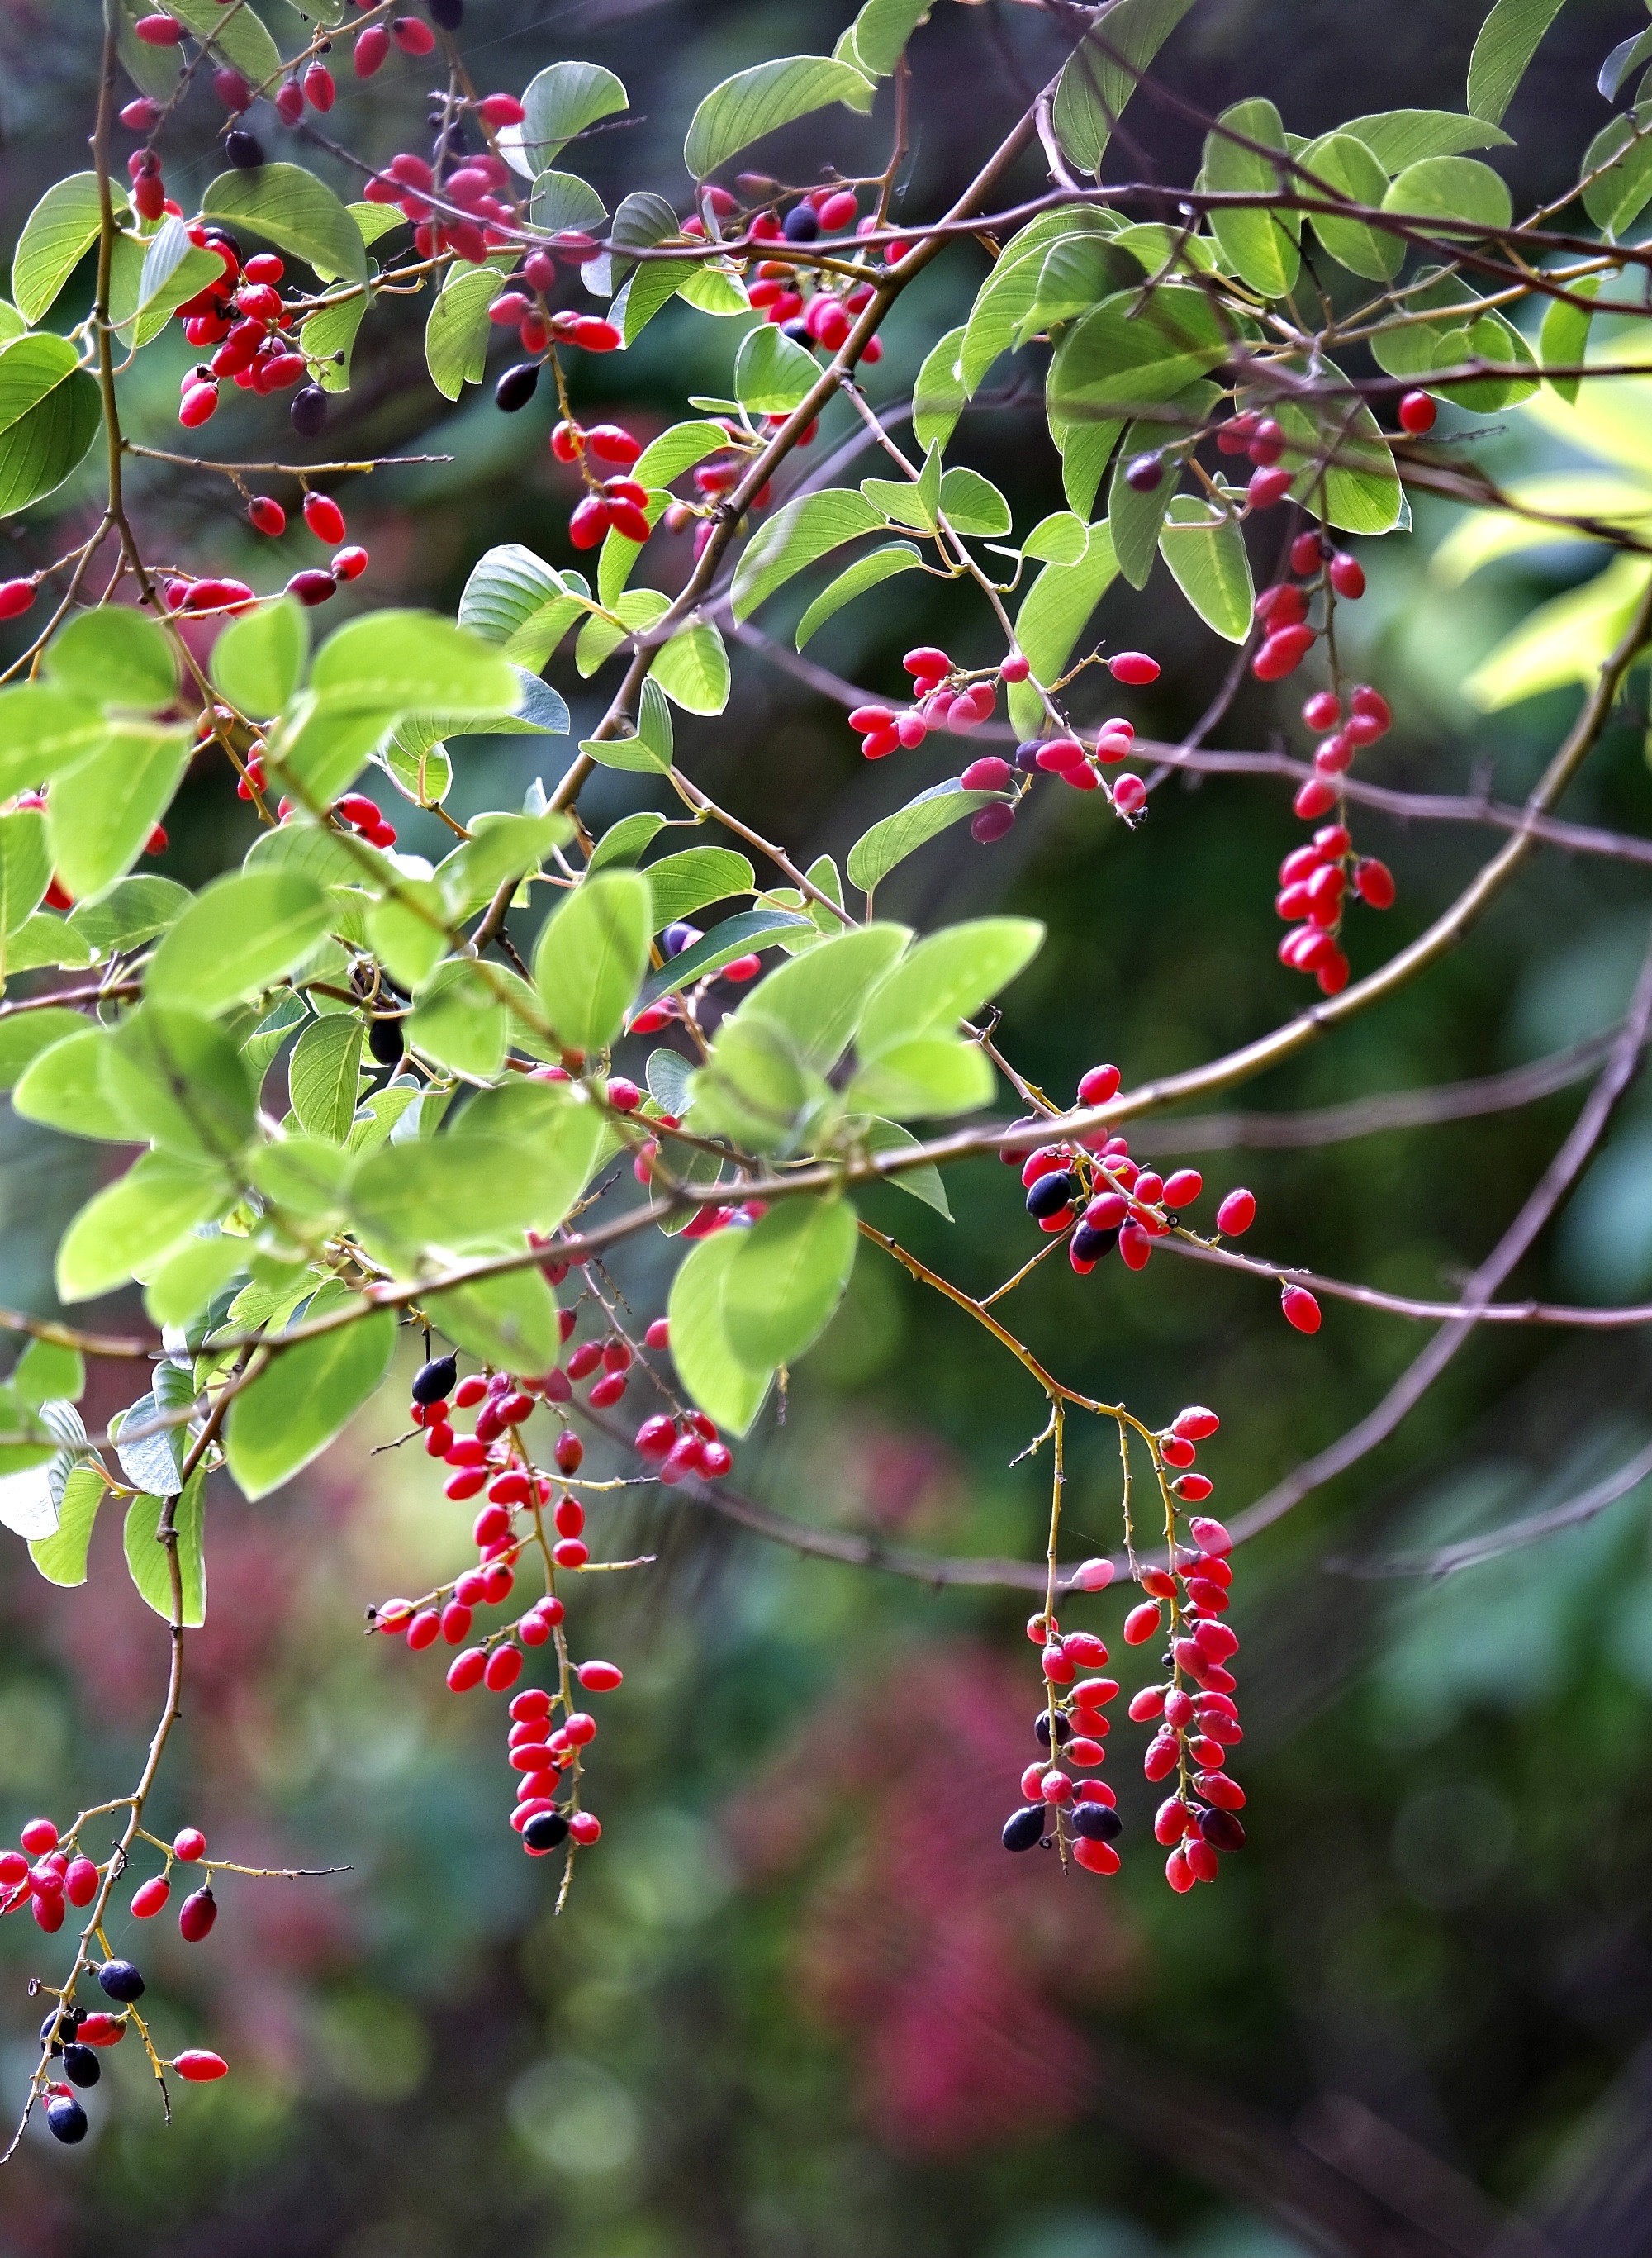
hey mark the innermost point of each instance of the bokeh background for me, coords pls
(800, 2004)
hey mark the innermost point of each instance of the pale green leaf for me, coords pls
(1350, 169)
(323, 1076)
(1399, 137)
(945, 978)
(1260, 246)
(867, 571)
(939, 391)
(722, 1383)
(972, 505)
(773, 374)
(50, 412)
(459, 1022)
(760, 100)
(55, 237)
(457, 329)
(239, 935)
(682, 883)
(101, 814)
(876, 852)
(736, 936)
(785, 1279)
(1509, 38)
(591, 957)
(1105, 70)
(1458, 195)
(305, 1396)
(60, 1557)
(132, 1221)
(146, 1555)
(258, 660)
(561, 102)
(692, 669)
(794, 537)
(293, 209)
(1205, 552)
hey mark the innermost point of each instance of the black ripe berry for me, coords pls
(450, 14)
(544, 1830)
(803, 223)
(121, 1980)
(1221, 1830)
(1145, 473)
(1057, 1189)
(66, 2118)
(1090, 1245)
(1026, 756)
(1023, 1828)
(797, 331)
(80, 2065)
(308, 410)
(243, 148)
(517, 387)
(64, 2024)
(1063, 1729)
(1097, 1822)
(385, 1041)
(435, 1382)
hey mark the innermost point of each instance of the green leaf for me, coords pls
(785, 1280)
(591, 957)
(1463, 331)
(930, 1078)
(720, 1381)
(1205, 552)
(61, 1557)
(41, 941)
(25, 868)
(117, 657)
(876, 852)
(654, 284)
(324, 1076)
(135, 910)
(939, 392)
(923, 1182)
(945, 978)
(258, 662)
(182, 1080)
(793, 538)
(63, 1087)
(330, 332)
(1101, 74)
(1077, 273)
(1616, 199)
(624, 841)
(457, 329)
(1399, 137)
(682, 883)
(817, 1000)
(238, 935)
(1346, 165)
(186, 1281)
(24, 1037)
(509, 1321)
(1349, 477)
(599, 638)
(563, 200)
(972, 505)
(459, 1022)
(667, 1076)
(50, 413)
(56, 235)
(877, 37)
(405, 661)
(239, 37)
(561, 102)
(173, 270)
(674, 452)
(773, 374)
(1062, 538)
(867, 571)
(147, 1557)
(1053, 616)
(48, 1368)
(1459, 195)
(760, 100)
(1627, 55)
(514, 598)
(692, 669)
(1006, 296)
(1564, 340)
(294, 210)
(101, 814)
(12, 322)
(133, 1220)
(1566, 640)
(1258, 245)
(305, 1394)
(1508, 39)
(44, 729)
(736, 936)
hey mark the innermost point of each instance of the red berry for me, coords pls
(413, 36)
(1374, 882)
(1133, 667)
(585, 1827)
(1308, 553)
(198, 402)
(233, 90)
(1236, 1214)
(16, 596)
(196, 1916)
(500, 109)
(1417, 413)
(1130, 793)
(349, 563)
(1268, 487)
(38, 1836)
(325, 518)
(1347, 576)
(313, 586)
(570, 1452)
(599, 1676)
(80, 1880)
(1314, 799)
(1301, 1309)
(371, 47)
(320, 89)
(590, 522)
(1142, 1624)
(189, 1844)
(197, 2064)
(1183, 1188)
(150, 1896)
(265, 515)
(504, 1668)
(466, 1669)
(159, 31)
(1195, 1423)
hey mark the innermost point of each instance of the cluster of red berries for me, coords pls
(245, 317)
(810, 309)
(1314, 886)
(1282, 610)
(49, 1873)
(547, 1761)
(677, 937)
(1078, 1816)
(365, 816)
(1198, 1718)
(1091, 1186)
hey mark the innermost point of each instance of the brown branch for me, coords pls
(1472, 1551)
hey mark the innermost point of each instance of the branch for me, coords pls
(1473, 1550)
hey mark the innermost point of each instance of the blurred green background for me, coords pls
(800, 2004)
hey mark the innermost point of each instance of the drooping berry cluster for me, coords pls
(1076, 1816)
